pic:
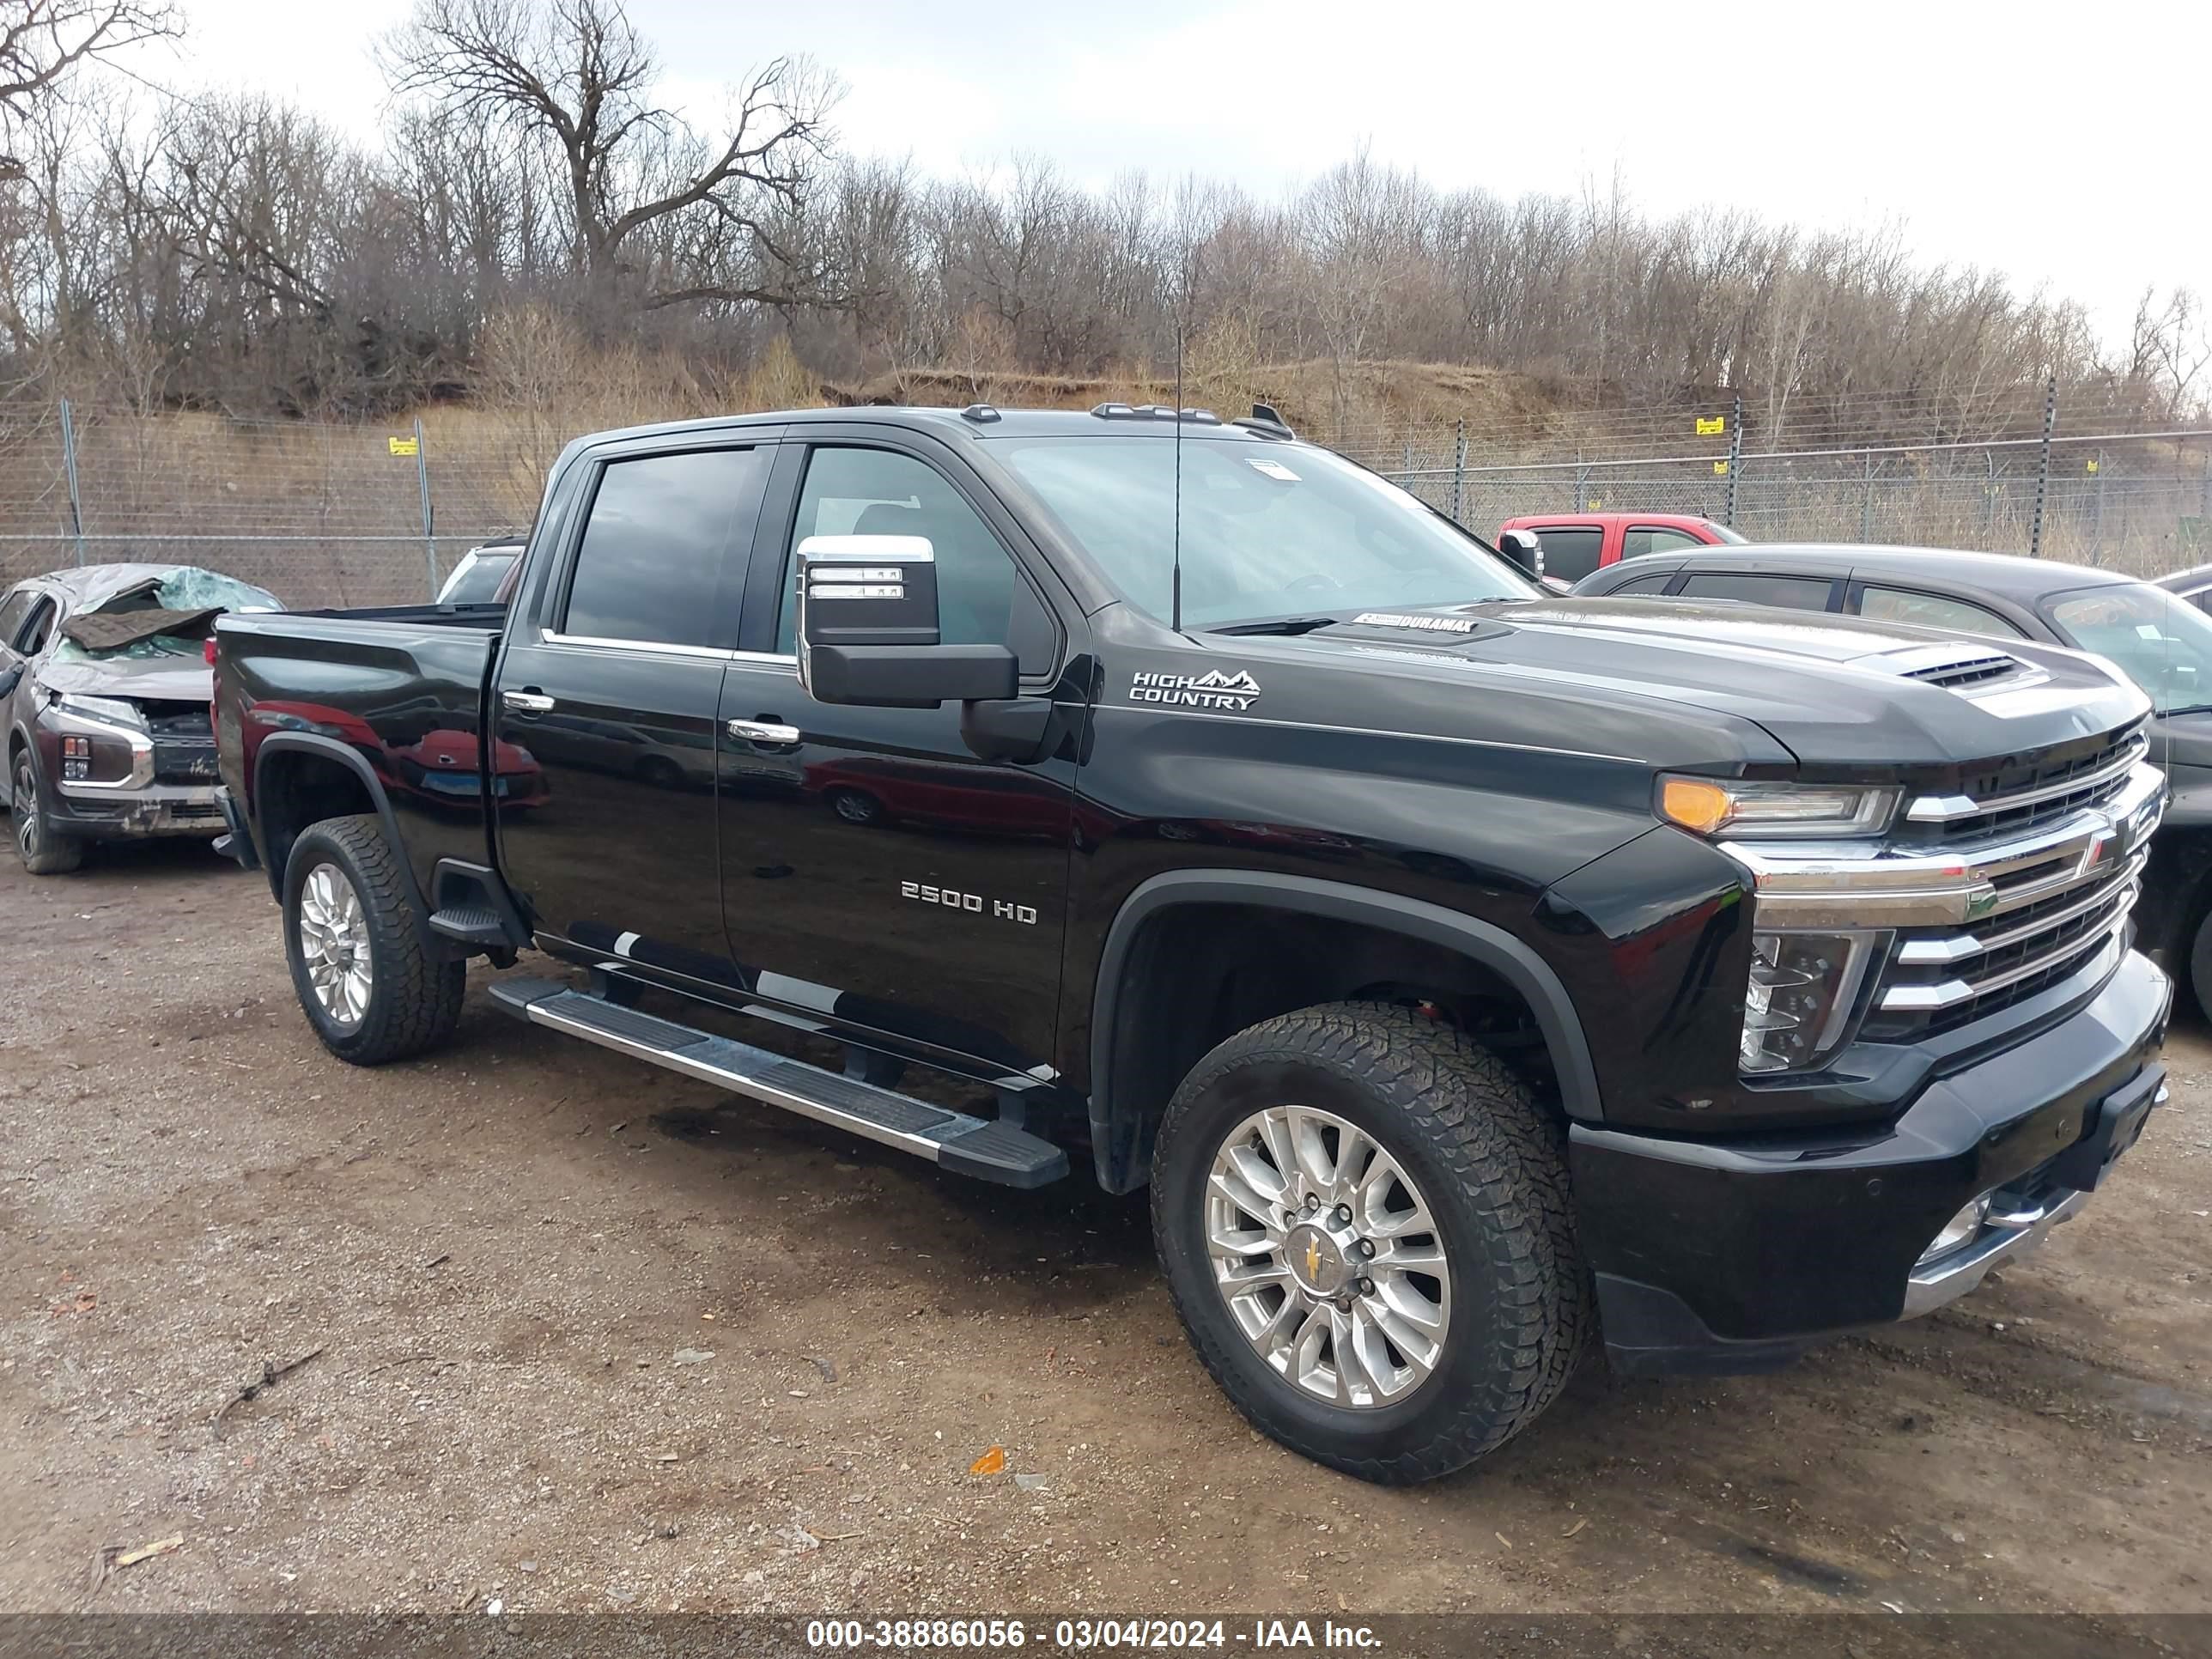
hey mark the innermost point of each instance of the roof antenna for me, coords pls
(1176, 598)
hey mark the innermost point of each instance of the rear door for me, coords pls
(606, 698)
(876, 873)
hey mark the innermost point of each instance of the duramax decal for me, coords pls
(1211, 690)
(1434, 624)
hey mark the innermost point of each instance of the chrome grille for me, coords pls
(2009, 799)
(2059, 857)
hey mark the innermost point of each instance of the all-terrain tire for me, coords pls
(42, 851)
(1492, 1167)
(415, 991)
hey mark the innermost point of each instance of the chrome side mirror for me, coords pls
(1523, 551)
(867, 628)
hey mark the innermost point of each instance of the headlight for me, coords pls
(1802, 994)
(109, 711)
(1731, 806)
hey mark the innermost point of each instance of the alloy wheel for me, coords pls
(1327, 1256)
(334, 942)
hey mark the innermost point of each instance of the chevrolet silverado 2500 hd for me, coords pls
(1473, 975)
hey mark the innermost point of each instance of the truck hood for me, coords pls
(1834, 691)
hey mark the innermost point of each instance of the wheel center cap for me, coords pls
(1316, 1260)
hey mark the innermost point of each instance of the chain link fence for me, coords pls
(361, 514)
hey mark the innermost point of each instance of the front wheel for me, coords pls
(42, 852)
(372, 986)
(1364, 1224)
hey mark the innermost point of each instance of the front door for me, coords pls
(605, 706)
(874, 872)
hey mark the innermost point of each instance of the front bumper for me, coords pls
(153, 809)
(1738, 1254)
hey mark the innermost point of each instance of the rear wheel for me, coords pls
(1365, 1224)
(371, 987)
(42, 852)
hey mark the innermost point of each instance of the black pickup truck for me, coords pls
(1472, 974)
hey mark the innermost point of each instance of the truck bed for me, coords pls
(399, 689)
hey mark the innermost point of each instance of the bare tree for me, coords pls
(43, 41)
(660, 214)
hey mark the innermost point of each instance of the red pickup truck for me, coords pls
(1576, 543)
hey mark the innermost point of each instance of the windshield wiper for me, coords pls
(1277, 625)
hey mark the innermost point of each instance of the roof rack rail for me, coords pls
(1266, 421)
(981, 414)
(1110, 411)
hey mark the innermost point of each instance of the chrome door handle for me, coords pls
(528, 703)
(762, 731)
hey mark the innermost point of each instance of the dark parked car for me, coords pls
(1467, 973)
(104, 693)
(2147, 630)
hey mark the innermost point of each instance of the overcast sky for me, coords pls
(2065, 146)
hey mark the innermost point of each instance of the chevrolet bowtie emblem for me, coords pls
(1313, 1258)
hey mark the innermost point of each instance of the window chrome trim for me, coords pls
(663, 648)
(765, 658)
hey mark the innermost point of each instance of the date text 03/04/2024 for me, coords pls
(1083, 1635)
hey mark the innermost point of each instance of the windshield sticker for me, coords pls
(1432, 624)
(1211, 690)
(1273, 469)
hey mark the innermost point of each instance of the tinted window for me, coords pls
(1571, 553)
(1642, 538)
(662, 526)
(1656, 583)
(1796, 593)
(12, 614)
(1901, 604)
(477, 580)
(876, 492)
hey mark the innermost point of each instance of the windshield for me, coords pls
(1267, 529)
(2163, 643)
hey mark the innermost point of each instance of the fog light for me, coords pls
(1959, 1230)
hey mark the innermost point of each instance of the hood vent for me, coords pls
(1968, 670)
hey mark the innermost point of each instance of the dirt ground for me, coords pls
(507, 1261)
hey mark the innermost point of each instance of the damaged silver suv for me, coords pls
(105, 686)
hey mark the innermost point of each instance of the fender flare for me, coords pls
(1509, 959)
(313, 743)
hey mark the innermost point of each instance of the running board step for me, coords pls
(985, 1148)
(471, 924)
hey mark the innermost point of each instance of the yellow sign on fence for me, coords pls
(1712, 427)
(1595, 506)
(2093, 464)
(405, 447)
(1720, 469)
